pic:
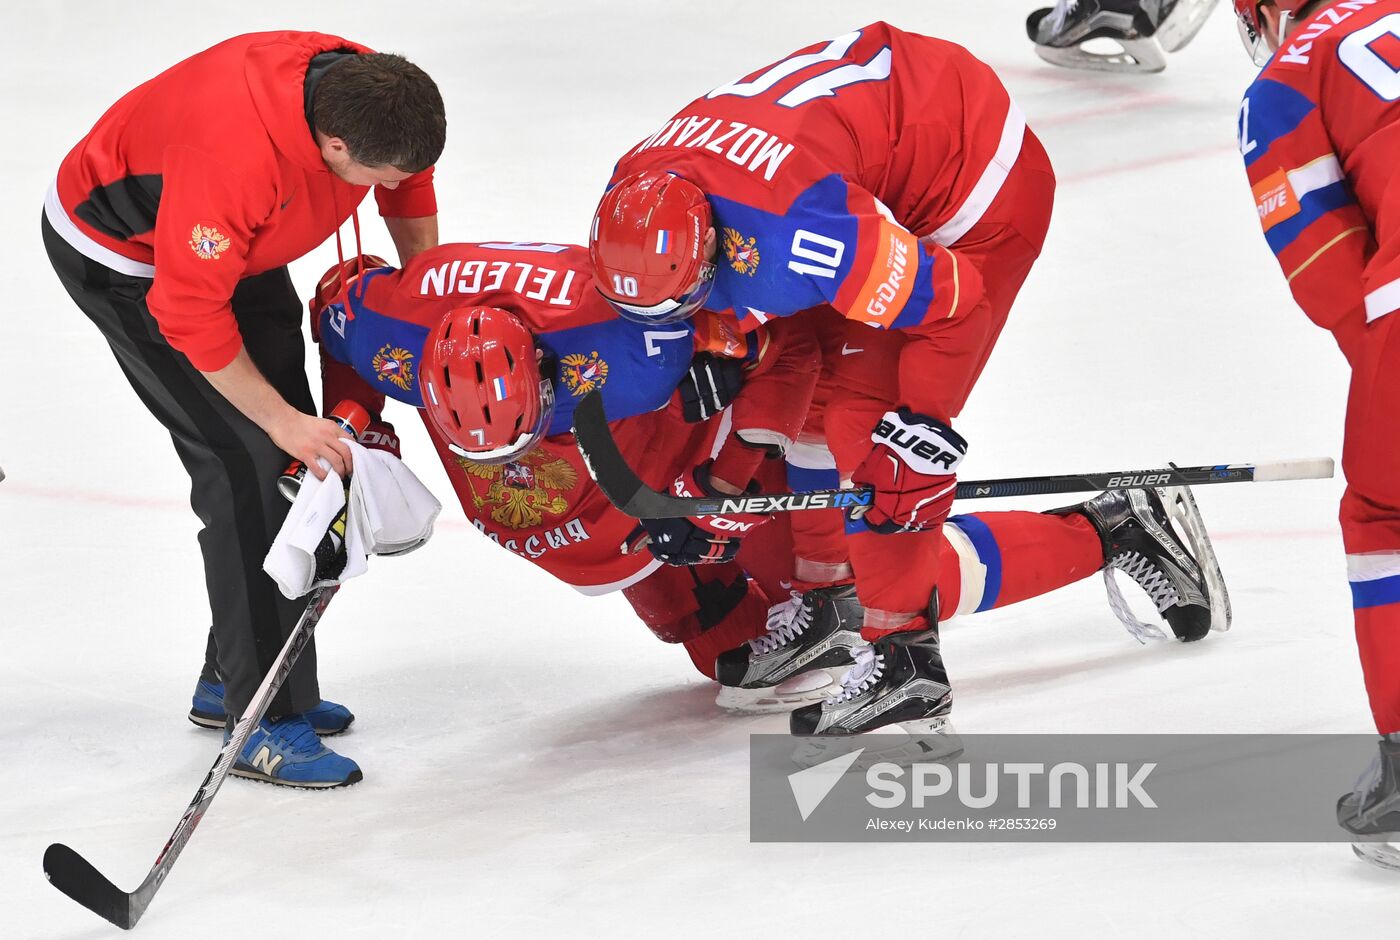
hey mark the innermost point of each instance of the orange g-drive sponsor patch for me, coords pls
(1274, 197)
(891, 278)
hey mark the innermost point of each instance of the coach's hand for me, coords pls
(913, 470)
(311, 439)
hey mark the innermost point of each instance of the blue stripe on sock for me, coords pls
(805, 478)
(801, 479)
(988, 553)
(1375, 593)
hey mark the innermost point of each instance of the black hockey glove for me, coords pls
(701, 540)
(712, 383)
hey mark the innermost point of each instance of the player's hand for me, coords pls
(913, 470)
(311, 439)
(711, 384)
(699, 540)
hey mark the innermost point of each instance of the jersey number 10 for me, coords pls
(822, 85)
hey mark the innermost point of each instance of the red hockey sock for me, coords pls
(1377, 633)
(745, 622)
(993, 559)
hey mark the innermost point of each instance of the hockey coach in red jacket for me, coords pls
(171, 225)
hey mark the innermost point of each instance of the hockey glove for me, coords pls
(380, 435)
(699, 540)
(712, 383)
(913, 470)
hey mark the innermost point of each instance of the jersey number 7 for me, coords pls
(822, 85)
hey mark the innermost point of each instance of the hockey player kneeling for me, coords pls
(898, 223)
(497, 342)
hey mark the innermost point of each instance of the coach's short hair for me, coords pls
(387, 110)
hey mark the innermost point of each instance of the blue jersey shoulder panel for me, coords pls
(779, 264)
(635, 367)
(384, 351)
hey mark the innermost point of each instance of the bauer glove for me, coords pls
(913, 470)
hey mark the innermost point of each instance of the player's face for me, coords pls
(337, 157)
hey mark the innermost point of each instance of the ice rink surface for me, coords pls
(536, 764)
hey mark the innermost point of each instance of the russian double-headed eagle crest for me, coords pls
(519, 494)
(741, 252)
(394, 364)
(208, 242)
(583, 373)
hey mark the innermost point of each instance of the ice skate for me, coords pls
(799, 659)
(897, 692)
(1143, 30)
(1371, 811)
(1181, 576)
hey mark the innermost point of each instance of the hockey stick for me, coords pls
(625, 490)
(75, 876)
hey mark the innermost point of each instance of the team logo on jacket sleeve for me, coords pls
(741, 252)
(583, 373)
(208, 242)
(519, 494)
(394, 364)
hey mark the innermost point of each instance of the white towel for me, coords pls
(391, 513)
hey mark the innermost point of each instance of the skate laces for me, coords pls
(1368, 781)
(1151, 579)
(857, 680)
(1061, 12)
(786, 621)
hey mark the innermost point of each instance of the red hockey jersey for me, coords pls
(544, 506)
(1320, 135)
(208, 173)
(840, 175)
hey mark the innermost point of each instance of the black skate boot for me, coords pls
(897, 680)
(1371, 812)
(807, 647)
(1143, 30)
(1181, 577)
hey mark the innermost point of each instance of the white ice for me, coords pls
(536, 764)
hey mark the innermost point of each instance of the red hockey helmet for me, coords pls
(1254, 31)
(648, 247)
(482, 386)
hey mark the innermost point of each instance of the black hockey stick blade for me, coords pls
(625, 490)
(74, 875)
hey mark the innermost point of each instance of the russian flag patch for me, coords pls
(663, 242)
(498, 385)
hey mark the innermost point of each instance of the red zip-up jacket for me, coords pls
(209, 172)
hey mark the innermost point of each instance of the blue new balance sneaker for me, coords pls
(286, 751)
(327, 718)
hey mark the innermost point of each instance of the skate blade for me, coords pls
(1379, 850)
(1181, 506)
(928, 740)
(1184, 23)
(1137, 56)
(793, 692)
